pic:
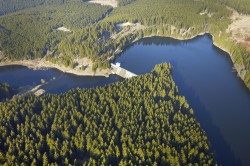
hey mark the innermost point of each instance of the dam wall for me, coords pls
(121, 71)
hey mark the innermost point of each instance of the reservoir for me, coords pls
(57, 81)
(203, 74)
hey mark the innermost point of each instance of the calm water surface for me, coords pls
(57, 81)
(203, 74)
(205, 77)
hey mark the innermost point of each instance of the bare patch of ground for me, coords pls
(126, 29)
(112, 3)
(240, 29)
(125, 24)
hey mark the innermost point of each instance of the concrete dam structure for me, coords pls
(116, 69)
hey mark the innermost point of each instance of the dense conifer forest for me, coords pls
(140, 121)
(125, 2)
(242, 6)
(32, 33)
(10, 6)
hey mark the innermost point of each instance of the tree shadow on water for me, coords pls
(224, 155)
(222, 150)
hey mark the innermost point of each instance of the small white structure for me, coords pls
(117, 64)
(116, 69)
(125, 24)
(63, 29)
(112, 3)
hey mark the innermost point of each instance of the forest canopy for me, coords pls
(10, 6)
(140, 121)
(242, 6)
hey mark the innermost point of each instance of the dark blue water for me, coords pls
(57, 82)
(205, 77)
(203, 74)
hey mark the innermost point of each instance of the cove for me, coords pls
(203, 74)
(57, 81)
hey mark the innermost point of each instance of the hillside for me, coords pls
(33, 33)
(96, 36)
(242, 6)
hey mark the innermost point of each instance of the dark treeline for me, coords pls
(242, 6)
(141, 121)
(6, 91)
(124, 2)
(16, 5)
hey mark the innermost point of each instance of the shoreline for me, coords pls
(235, 66)
(238, 68)
(119, 51)
(42, 64)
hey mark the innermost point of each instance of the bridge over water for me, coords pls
(116, 69)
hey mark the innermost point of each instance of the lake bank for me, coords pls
(240, 69)
(42, 64)
(56, 81)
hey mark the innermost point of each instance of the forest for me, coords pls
(242, 6)
(124, 2)
(93, 28)
(140, 121)
(10, 6)
(39, 26)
